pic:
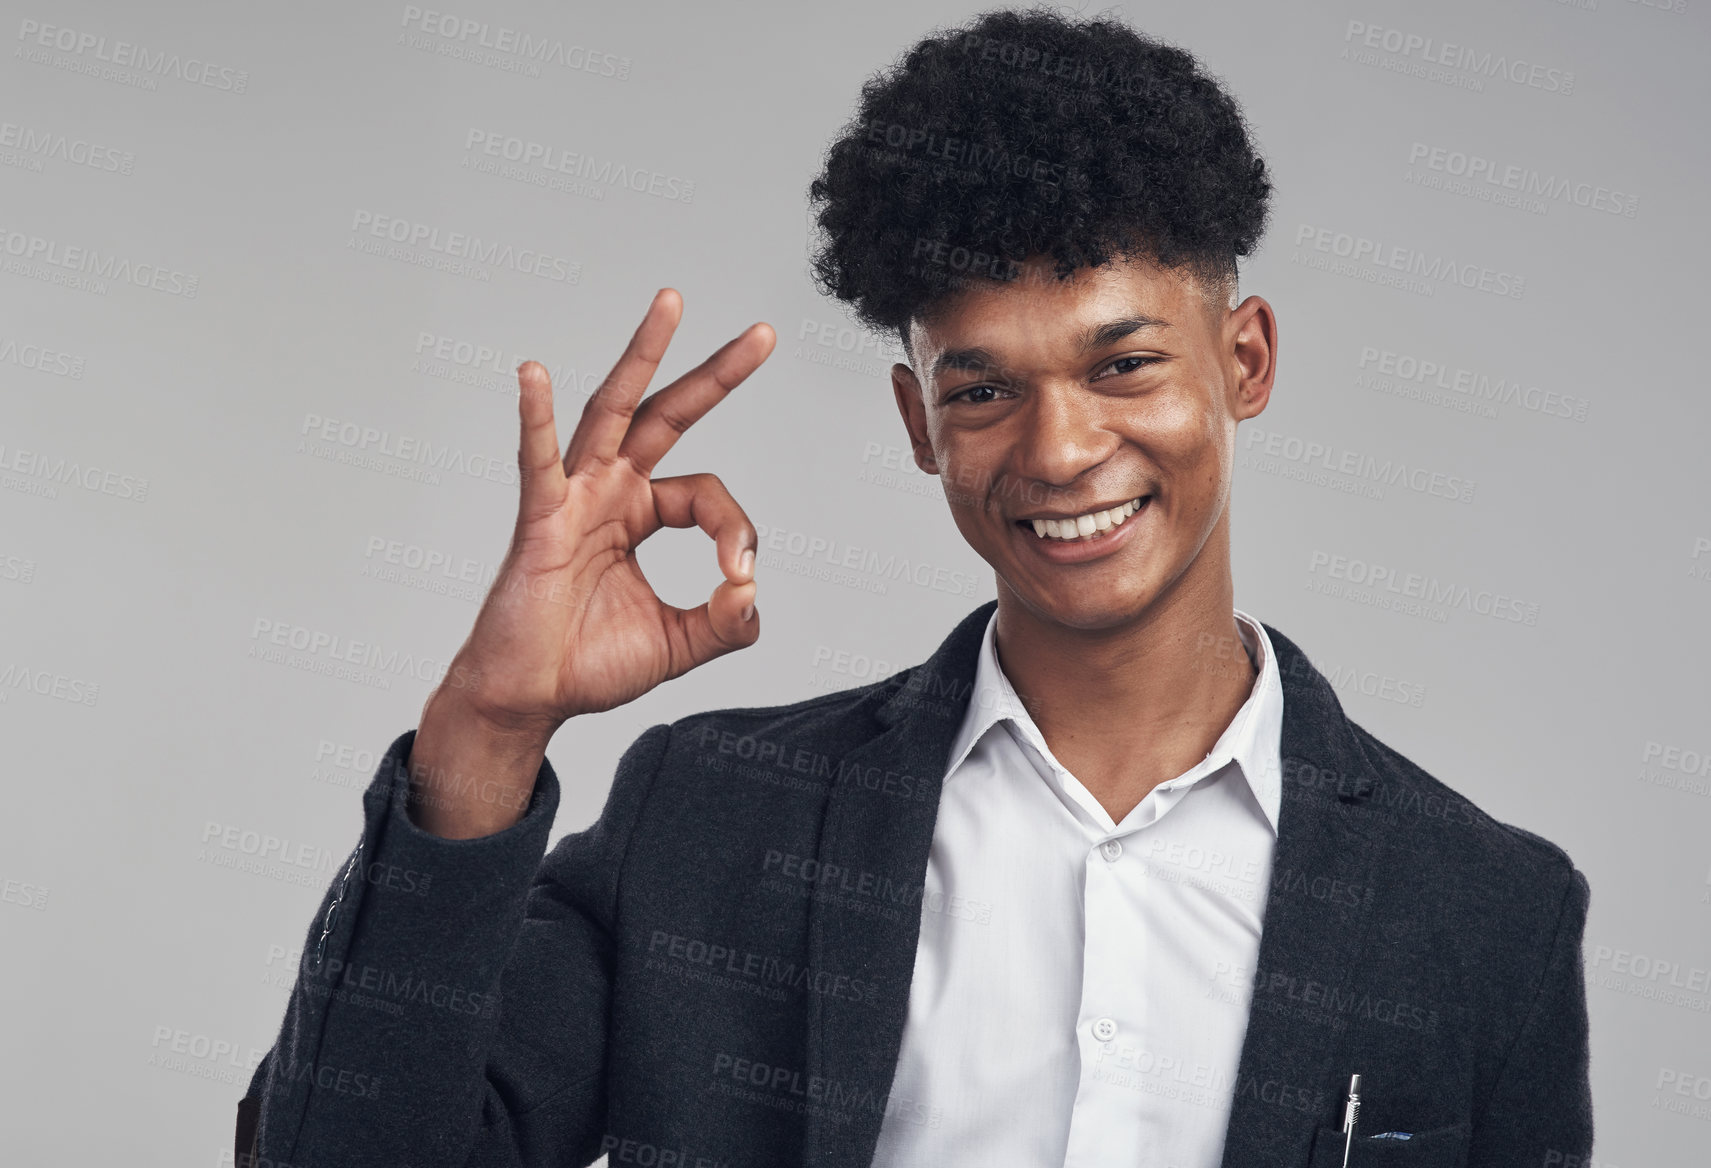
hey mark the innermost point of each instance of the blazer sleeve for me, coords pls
(450, 1008)
(1540, 1111)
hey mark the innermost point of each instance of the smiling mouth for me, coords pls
(1084, 527)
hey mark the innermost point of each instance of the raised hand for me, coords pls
(570, 625)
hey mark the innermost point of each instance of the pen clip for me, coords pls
(1351, 1109)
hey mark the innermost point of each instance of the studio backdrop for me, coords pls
(266, 273)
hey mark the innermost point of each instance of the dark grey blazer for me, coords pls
(717, 971)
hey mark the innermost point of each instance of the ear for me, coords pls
(907, 390)
(1251, 344)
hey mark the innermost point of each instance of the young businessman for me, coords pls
(1108, 879)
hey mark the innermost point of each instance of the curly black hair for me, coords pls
(1025, 133)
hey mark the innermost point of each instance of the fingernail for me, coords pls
(748, 613)
(746, 563)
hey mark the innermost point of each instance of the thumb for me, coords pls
(720, 626)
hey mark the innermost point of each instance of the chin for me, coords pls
(1081, 608)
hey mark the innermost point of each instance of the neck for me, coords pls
(1135, 704)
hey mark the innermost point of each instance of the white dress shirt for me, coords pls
(1086, 1005)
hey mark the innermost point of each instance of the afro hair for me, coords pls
(1025, 133)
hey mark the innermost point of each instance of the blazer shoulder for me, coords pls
(815, 716)
(1407, 788)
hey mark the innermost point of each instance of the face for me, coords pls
(1042, 404)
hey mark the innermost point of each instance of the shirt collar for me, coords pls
(1253, 739)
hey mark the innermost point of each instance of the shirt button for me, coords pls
(1105, 1030)
(1111, 849)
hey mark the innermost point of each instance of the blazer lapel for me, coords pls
(878, 831)
(1288, 1081)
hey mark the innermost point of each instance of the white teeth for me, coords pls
(1085, 526)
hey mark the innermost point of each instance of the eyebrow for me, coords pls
(1113, 331)
(1096, 337)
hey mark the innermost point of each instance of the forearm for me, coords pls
(396, 1006)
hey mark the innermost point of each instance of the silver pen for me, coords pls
(1351, 1115)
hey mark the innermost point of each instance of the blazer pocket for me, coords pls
(1439, 1147)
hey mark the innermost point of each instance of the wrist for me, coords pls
(456, 709)
(470, 776)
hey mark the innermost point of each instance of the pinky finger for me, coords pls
(537, 453)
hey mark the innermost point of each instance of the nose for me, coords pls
(1061, 436)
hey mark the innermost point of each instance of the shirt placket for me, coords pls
(1124, 1077)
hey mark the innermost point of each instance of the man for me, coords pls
(1108, 879)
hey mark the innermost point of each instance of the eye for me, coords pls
(1131, 364)
(972, 390)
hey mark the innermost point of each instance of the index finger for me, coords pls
(606, 416)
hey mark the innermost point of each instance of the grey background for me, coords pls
(129, 922)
